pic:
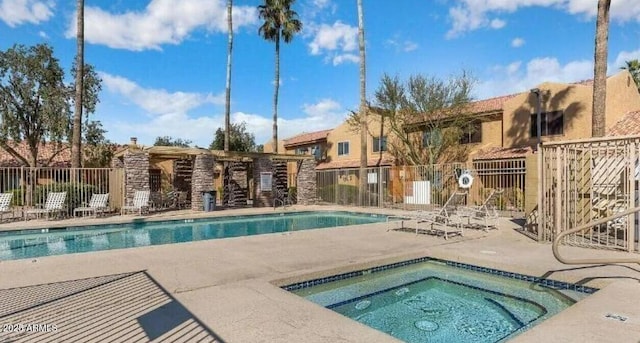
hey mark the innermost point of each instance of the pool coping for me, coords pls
(550, 283)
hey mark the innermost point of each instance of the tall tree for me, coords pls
(633, 67)
(280, 22)
(426, 117)
(600, 69)
(227, 105)
(363, 105)
(76, 139)
(34, 101)
(98, 150)
(239, 139)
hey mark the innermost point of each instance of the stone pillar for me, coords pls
(262, 197)
(136, 171)
(201, 179)
(238, 186)
(307, 182)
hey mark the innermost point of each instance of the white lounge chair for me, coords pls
(97, 205)
(140, 201)
(5, 204)
(54, 204)
(487, 213)
(441, 222)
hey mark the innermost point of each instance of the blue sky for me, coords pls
(163, 62)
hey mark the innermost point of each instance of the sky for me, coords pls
(163, 62)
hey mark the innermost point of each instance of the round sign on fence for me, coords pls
(465, 180)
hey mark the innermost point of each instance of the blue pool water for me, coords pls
(434, 301)
(46, 242)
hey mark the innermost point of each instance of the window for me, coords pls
(155, 180)
(379, 144)
(472, 133)
(343, 148)
(431, 137)
(551, 123)
(302, 151)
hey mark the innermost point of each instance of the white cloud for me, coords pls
(515, 77)
(624, 56)
(17, 12)
(161, 22)
(336, 42)
(517, 42)
(168, 114)
(399, 45)
(469, 15)
(497, 24)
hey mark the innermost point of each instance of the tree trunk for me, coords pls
(363, 107)
(76, 140)
(227, 107)
(275, 96)
(600, 69)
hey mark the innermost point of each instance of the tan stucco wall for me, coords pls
(345, 132)
(576, 102)
(622, 97)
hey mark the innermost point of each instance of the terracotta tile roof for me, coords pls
(480, 107)
(503, 153)
(306, 138)
(339, 164)
(45, 151)
(628, 125)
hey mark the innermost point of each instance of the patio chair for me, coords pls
(486, 213)
(97, 205)
(140, 201)
(5, 204)
(441, 222)
(53, 205)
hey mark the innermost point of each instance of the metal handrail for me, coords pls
(557, 241)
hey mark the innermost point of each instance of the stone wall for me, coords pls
(280, 176)
(136, 170)
(201, 179)
(262, 197)
(117, 162)
(307, 183)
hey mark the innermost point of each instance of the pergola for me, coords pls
(201, 167)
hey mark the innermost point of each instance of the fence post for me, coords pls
(631, 219)
(541, 187)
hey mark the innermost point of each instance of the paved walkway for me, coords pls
(226, 290)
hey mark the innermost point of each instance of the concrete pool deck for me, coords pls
(227, 289)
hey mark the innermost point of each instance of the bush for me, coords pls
(293, 194)
(77, 194)
(346, 194)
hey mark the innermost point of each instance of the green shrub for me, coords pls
(341, 194)
(293, 194)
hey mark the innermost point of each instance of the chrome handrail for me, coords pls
(557, 241)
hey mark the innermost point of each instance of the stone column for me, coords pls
(238, 184)
(262, 197)
(136, 171)
(307, 183)
(117, 162)
(280, 176)
(201, 179)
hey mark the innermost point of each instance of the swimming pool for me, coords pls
(431, 300)
(45, 242)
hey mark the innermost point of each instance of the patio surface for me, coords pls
(227, 290)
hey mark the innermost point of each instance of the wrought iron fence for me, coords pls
(586, 180)
(424, 187)
(30, 186)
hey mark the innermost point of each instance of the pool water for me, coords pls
(46, 242)
(435, 302)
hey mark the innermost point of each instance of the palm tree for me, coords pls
(76, 138)
(227, 105)
(600, 69)
(633, 67)
(363, 105)
(280, 22)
